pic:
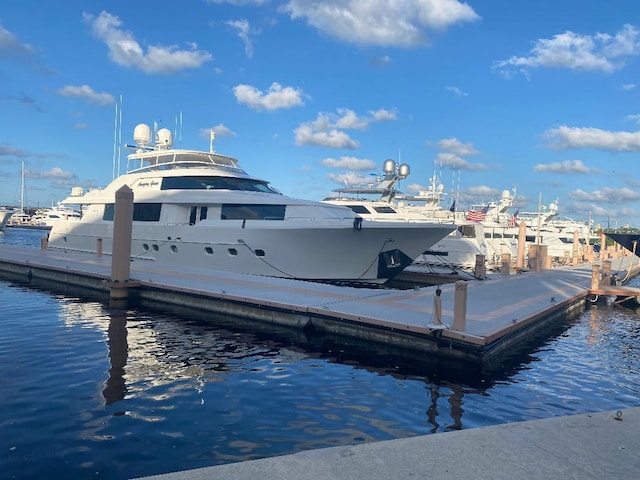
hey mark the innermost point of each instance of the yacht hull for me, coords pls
(630, 241)
(372, 253)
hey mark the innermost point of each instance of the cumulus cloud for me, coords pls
(86, 94)
(607, 195)
(564, 137)
(383, 115)
(455, 162)
(275, 98)
(56, 173)
(11, 46)
(405, 23)
(599, 52)
(350, 163)
(220, 130)
(125, 50)
(566, 166)
(350, 178)
(453, 145)
(327, 129)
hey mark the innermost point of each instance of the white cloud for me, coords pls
(125, 50)
(350, 178)
(55, 173)
(633, 118)
(244, 31)
(350, 163)
(332, 138)
(383, 115)
(276, 97)
(454, 162)
(399, 23)
(326, 129)
(564, 137)
(619, 196)
(628, 86)
(456, 91)
(453, 145)
(220, 130)
(86, 94)
(599, 52)
(567, 166)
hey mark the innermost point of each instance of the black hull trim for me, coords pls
(630, 241)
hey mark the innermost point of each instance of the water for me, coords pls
(90, 391)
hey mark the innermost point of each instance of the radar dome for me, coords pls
(389, 166)
(404, 170)
(505, 194)
(142, 134)
(164, 138)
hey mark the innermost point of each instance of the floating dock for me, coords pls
(497, 313)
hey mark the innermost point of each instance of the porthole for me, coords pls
(174, 249)
(209, 250)
(259, 253)
(155, 247)
(233, 252)
(145, 246)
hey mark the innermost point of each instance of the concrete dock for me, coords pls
(604, 445)
(499, 312)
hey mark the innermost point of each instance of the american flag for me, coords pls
(513, 219)
(478, 215)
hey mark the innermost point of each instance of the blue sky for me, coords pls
(489, 94)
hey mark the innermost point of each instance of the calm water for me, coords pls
(90, 391)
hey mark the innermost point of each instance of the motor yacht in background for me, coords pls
(458, 249)
(5, 215)
(201, 209)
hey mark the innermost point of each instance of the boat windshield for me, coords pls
(216, 183)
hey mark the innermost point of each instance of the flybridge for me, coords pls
(161, 155)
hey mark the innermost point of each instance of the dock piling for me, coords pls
(460, 306)
(44, 243)
(606, 272)
(595, 278)
(121, 249)
(437, 308)
(505, 268)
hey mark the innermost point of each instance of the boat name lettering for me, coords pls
(152, 183)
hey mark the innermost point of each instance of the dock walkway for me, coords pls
(499, 310)
(593, 446)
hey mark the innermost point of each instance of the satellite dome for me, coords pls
(164, 138)
(389, 166)
(404, 170)
(505, 194)
(142, 134)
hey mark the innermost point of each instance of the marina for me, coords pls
(192, 388)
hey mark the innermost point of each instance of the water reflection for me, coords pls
(116, 388)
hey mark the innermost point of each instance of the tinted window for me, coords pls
(215, 183)
(252, 212)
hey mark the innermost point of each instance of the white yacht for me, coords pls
(46, 217)
(458, 249)
(201, 209)
(5, 215)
